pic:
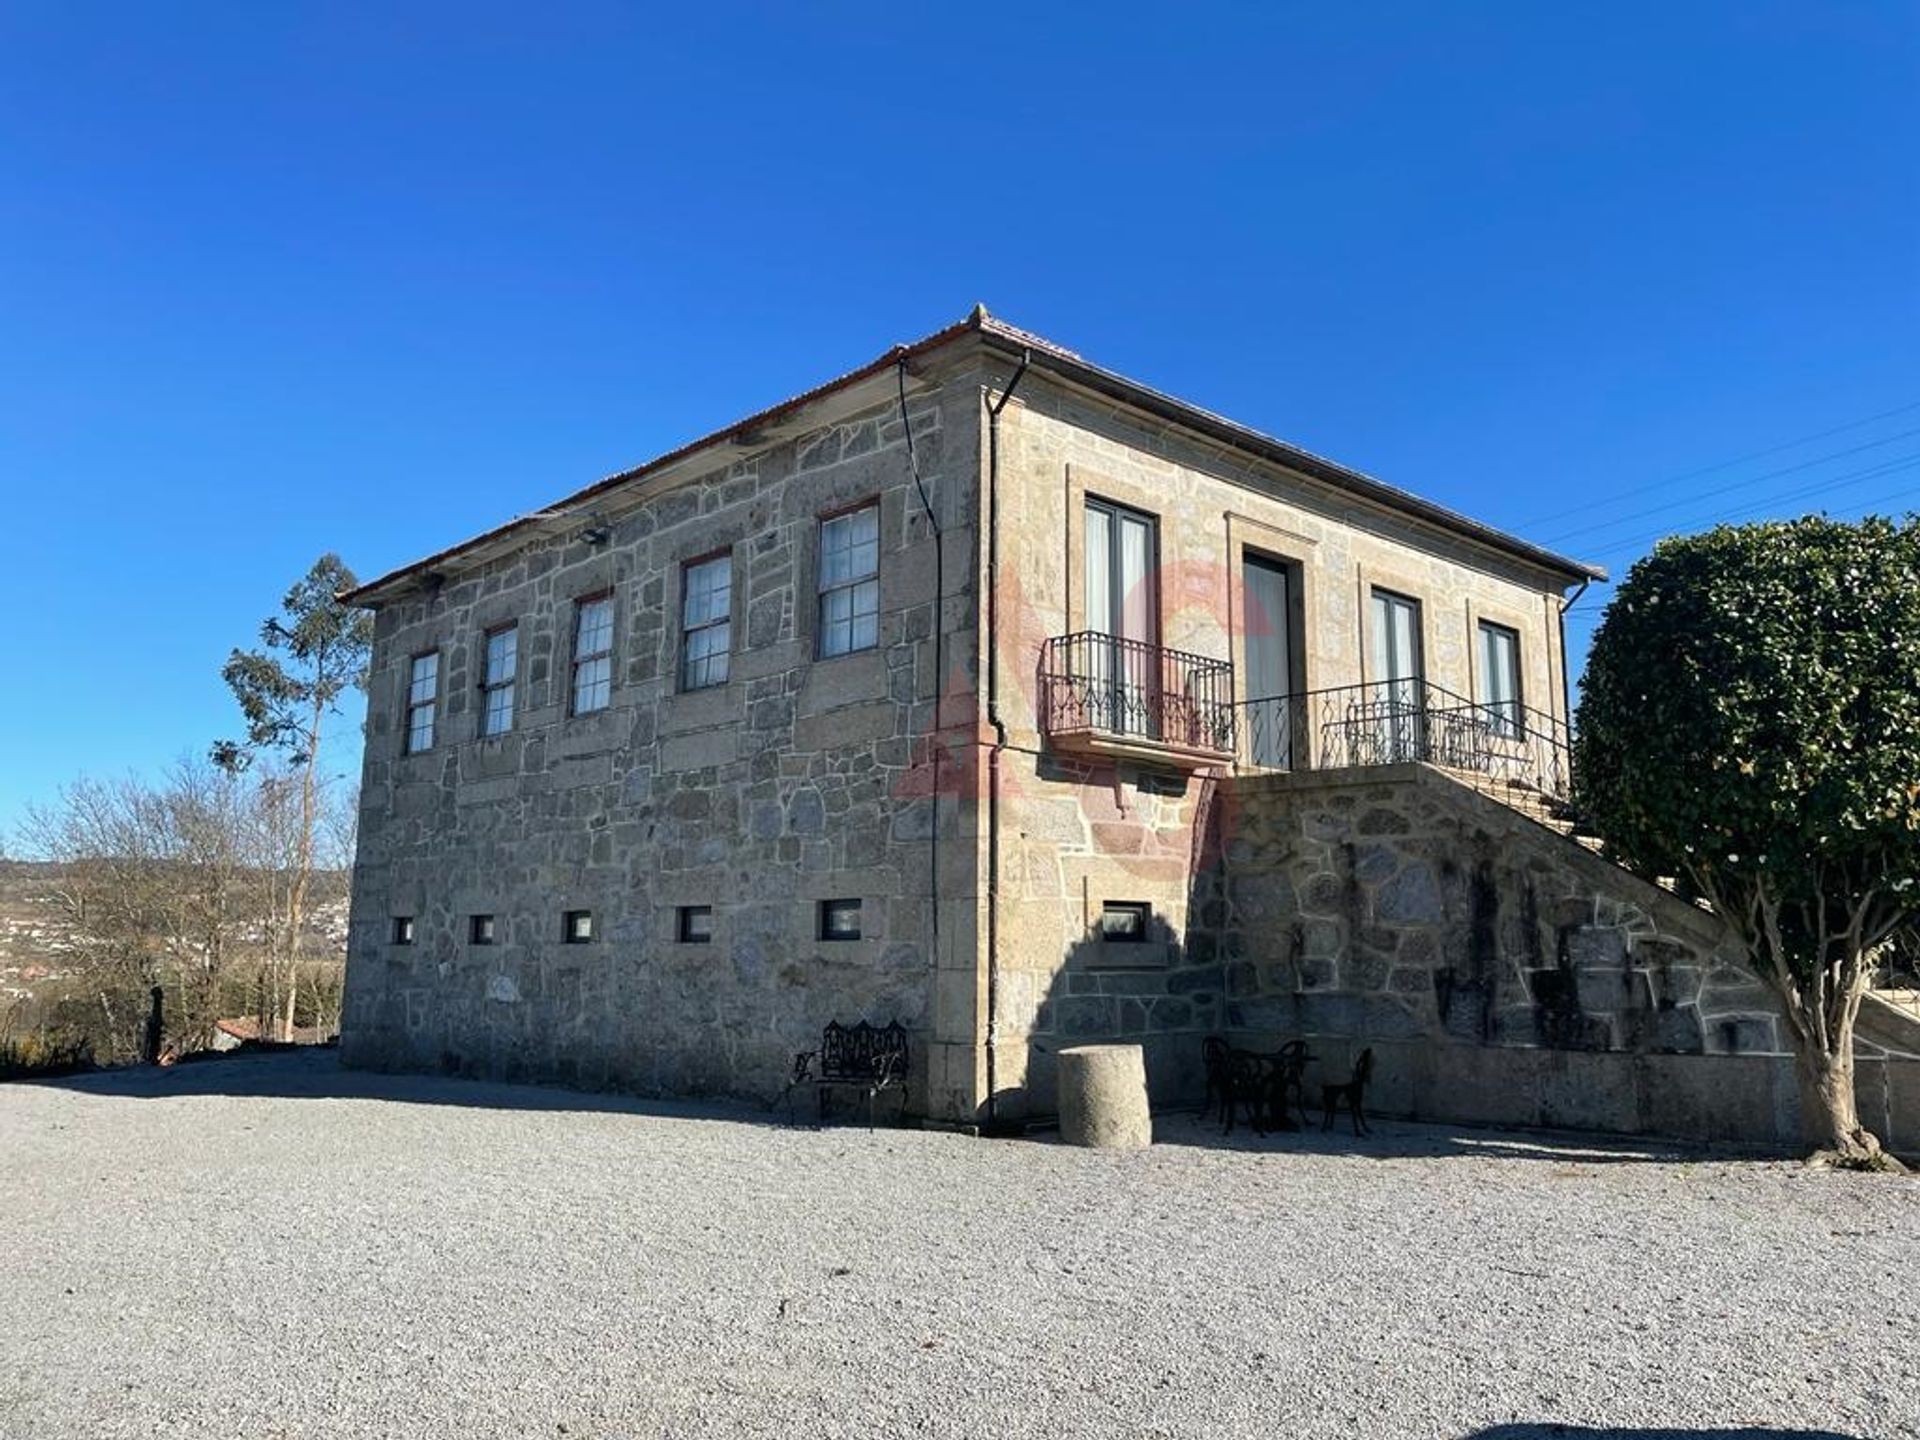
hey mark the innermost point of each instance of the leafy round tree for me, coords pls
(1750, 724)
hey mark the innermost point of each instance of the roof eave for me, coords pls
(391, 584)
(1013, 342)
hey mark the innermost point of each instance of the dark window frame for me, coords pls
(1113, 515)
(850, 586)
(576, 927)
(724, 622)
(482, 929)
(1507, 714)
(413, 706)
(492, 685)
(403, 930)
(581, 604)
(684, 925)
(1139, 912)
(827, 931)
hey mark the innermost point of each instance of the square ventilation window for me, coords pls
(480, 929)
(577, 928)
(696, 924)
(403, 929)
(1124, 922)
(839, 919)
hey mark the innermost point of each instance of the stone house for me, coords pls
(988, 690)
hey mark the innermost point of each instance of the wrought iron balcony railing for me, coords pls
(1394, 721)
(1100, 691)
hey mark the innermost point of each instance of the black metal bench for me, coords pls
(872, 1058)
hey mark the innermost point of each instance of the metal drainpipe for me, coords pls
(1566, 675)
(939, 663)
(994, 407)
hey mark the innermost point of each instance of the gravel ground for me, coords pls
(272, 1247)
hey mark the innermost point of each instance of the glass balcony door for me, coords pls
(1398, 731)
(1122, 602)
(1267, 622)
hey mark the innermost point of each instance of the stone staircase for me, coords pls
(1890, 1018)
(1530, 801)
(1548, 810)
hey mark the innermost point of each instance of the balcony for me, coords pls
(1507, 749)
(1101, 694)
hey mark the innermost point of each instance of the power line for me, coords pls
(1565, 535)
(1715, 469)
(1756, 512)
(1904, 493)
(1820, 487)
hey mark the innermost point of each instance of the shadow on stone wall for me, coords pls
(1502, 973)
(1153, 991)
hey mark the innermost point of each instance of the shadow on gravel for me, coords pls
(1582, 1432)
(316, 1074)
(1405, 1140)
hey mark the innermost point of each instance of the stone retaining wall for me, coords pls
(1501, 972)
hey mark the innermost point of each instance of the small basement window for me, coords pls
(480, 929)
(839, 919)
(577, 927)
(403, 929)
(696, 924)
(1124, 922)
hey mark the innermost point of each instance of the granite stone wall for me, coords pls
(798, 780)
(1080, 834)
(1501, 972)
(1214, 509)
(1399, 904)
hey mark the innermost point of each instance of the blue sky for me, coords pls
(276, 280)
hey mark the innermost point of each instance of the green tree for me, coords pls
(315, 651)
(1750, 724)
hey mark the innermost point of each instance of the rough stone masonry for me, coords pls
(868, 813)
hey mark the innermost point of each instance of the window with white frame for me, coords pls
(850, 581)
(423, 701)
(502, 664)
(1500, 677)
(592, 653)
(706, 622)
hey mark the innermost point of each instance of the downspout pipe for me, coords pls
(939, 664)
(994, 719)
(1566, 674)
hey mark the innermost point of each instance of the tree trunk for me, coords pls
(1829, 1112)
(303, 871)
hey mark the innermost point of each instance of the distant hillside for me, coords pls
(34, 938)
(37, 945)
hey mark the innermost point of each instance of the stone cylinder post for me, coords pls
(1103, 1097)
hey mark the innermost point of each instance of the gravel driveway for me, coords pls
(272, 1247)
